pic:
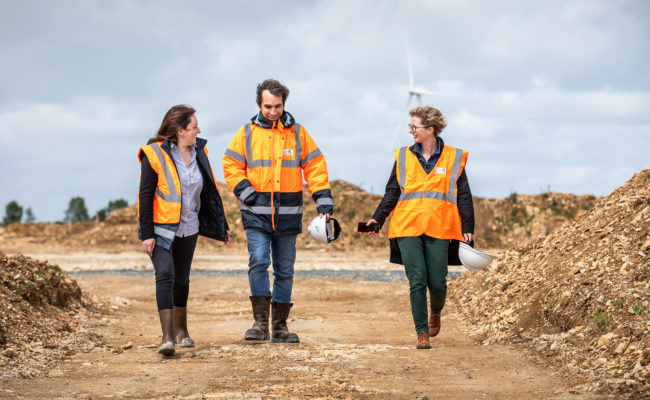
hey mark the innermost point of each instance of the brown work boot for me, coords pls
(166, 347)
(279, 315)
(423, 340)
(180, 328)
(434, 324)
(260, 329)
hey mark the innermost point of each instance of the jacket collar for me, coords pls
(200, 143)
(260, 120)
(417, 148)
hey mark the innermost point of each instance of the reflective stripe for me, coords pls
(255, 209)
(311, 156)
(402, 167)
(267, 210)
(296, 131)
(410, 196)
(166, 233)
(290, 163)
(249, 148)
(437, 195)
(454, 175)
(250, 163)
(427, 194)
(324, 201)
(246, 192)
(259, 163)
(172, 197)
(235, 156)
(290, 210)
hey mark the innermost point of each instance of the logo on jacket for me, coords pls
(288, 152)
(440, 171)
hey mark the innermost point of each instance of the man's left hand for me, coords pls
(468, 237)
(327, 215)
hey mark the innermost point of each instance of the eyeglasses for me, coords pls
(413, 128)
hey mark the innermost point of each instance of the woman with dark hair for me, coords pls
(178, 200)
(430, 204)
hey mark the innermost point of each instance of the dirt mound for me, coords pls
(579, 297)
(42, 317)
(500, 223)
(504, 223)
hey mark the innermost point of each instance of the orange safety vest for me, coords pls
(167, 199)
(273, 160)
(428, 202)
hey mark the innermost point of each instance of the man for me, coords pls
(263, 166)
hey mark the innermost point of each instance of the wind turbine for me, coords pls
(414, 92)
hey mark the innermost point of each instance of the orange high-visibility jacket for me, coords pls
(264, 168)
(428, 202)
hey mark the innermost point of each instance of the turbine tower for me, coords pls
(414, 91)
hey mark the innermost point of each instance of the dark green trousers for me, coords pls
(425, 263)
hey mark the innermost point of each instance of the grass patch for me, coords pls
(619, 301)
(638, 309)
(602, 319)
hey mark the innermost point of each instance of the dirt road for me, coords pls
(357, 342)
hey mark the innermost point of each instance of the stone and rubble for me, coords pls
(579, 297)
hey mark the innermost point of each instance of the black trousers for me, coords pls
(173, 272)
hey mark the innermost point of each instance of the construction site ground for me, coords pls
(357, 341)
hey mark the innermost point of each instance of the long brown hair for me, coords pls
(178, 117)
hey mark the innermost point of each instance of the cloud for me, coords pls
(550, 93)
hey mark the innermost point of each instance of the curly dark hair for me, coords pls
(274, 87)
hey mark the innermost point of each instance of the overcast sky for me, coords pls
(543, 94)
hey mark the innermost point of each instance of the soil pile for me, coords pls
(500, 223)
(43, 317)
(504, 223)
(579, 297)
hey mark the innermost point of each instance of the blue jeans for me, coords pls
(261, 246)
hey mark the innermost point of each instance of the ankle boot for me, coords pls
(434, 324)
(180, 328)
(166, 347)
(423, 340)
(279, 315)
(260, 329)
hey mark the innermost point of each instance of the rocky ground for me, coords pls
(43, 317)
(579, 297)
(357, 342)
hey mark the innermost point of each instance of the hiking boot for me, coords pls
(434, 324)
(279, 315)
(260, 329)
(423, 341)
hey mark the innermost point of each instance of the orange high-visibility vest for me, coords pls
(167, 199)
(428, 202)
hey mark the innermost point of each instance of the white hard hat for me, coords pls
(472, 259)
(324, 231)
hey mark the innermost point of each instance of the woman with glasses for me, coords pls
(430, 203)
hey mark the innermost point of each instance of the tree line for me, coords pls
(76, 211)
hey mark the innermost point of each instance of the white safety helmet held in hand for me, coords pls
(324, 231)
(472, 259)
